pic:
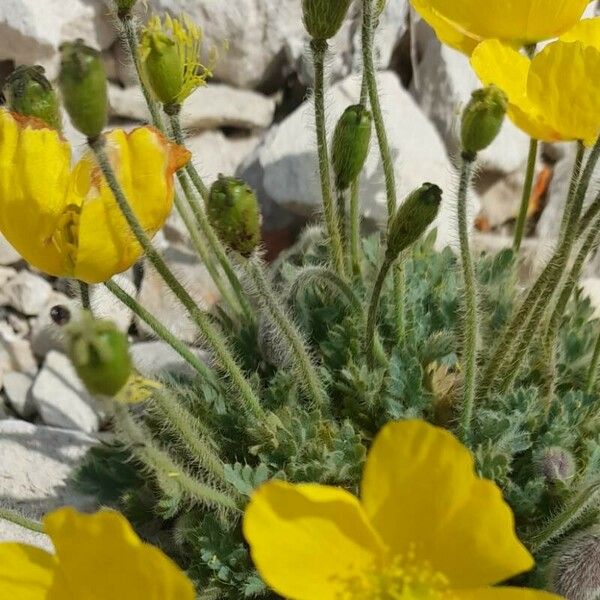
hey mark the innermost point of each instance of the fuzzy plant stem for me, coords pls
(17, 519)
(527, 187)
(521, 328)
(372, 312)
(471, 335)
(592, 374)
(166, 471)
(319, 50)
(342, 216)
(248, 398)
(84, 295)
(307, 375)
(197, 207)
(162, 332)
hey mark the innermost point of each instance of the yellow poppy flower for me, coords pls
(64, 220)
(556, 95)
(98, 557)
(462, 24)
(426, 528)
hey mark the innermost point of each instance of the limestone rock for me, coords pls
(27, 293)
(156, 358)
(46, 335)
(17, 387)
(8, 255)
(15, 352)
(106, 306)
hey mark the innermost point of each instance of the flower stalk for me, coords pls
(527, 188)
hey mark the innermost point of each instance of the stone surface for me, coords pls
(34, 471)
(8, 255)
(46, 335)
(61, 398)
(6, 273)
(15, 352)
(156, 358)
(157, 298)
(106, 306)
(17, 387)
(27, 293)
(31, 31)
(446, 82)
(289, 155)
(215, 105)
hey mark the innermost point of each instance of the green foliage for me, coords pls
(329, 444)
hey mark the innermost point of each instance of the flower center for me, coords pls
(403, 579)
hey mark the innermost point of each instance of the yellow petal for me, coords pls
(101, 552)
(498, 63)
(26, 573)
(308, 540)
(564, 80)
(503, 593)
(421, 494)
(144, 163)
(587, 32)
(522, 21)
(34, 171)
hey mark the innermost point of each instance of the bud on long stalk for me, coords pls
(323, 18)
(29, 93)
(83, 85)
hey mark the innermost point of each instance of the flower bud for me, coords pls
(100, 354)
(351, 145)
(234, 213)
(124, 7)
(29, 93)
(414, 216)
(82, 81)
(556, 464)
(575, 570)
(482, 119)
(323, 18)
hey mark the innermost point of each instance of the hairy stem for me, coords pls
(471, 326)
(592, 374)
(18, 519)
(372, 312)
(527, 187)
(319, 49)
(84, 294)
(248, 399)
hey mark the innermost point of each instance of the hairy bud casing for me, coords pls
(556, 464)
(162, 66)
(83, 86)
(412, 219)
(234, 213)
(100, 354)
(351, 144)
(482, 119)
(124, 7)
(29, 93)
(323, 18)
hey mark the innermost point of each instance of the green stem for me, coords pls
(319, 49)
(355, 249)
(162, 332)
(575, 181)
(342, 217)
(84, 294)
(248, 399)
(308, 378)
(199, 211)
(526, 197)
(372, 313)
(471, 336)
(399, 280)
(17, 519)
(592, 374)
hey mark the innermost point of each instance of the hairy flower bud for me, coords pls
(124, 7)
(413, 217)
(29, 93)
(575, 570)
(482, 119)
(323, 18)
(234, 212)
(351, 144)
(82, 82)
(100, 354)
(556, 464)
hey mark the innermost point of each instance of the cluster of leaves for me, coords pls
(421, 380)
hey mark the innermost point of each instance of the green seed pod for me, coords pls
(234, 213)
(323, 18)
(412, 219)
(482, 119)
(82, 81)
(351, 144)
(28, 92)
(100, 354)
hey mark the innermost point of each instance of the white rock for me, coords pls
(289, 155)
(27, 293)
(156, 358)
(107, 306)
(61, 398)
(8, 255)
(46, 335)
(34, 474)
(446, 81)
(215, 105)
(591, 288)
(6, 273)
(17, 387)
(15, 352)
(158, 299)
(31, 31)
